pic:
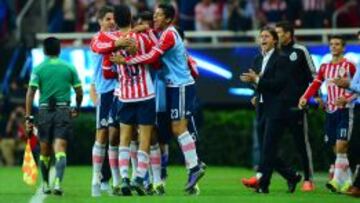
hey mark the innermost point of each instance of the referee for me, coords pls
(303, 70)
(54, 79)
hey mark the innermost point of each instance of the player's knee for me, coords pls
(101, 136)
(341, 146)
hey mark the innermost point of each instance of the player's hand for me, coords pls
(341, 82)
(302, 103)
(253, 101)
(341, 102)
(249, 77)
(132, 50)
(118, 59)
(29, 127)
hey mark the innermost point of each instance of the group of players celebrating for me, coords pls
(144, 92)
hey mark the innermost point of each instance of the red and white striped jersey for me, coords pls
(328, 72)
(135, 83)
(103, 42)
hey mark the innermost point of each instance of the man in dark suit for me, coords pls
(273, 83)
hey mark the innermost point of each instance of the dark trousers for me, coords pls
(274, 129)
(297, 124)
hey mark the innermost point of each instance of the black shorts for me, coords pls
(54, 124)
(137, 113)
(339, 125)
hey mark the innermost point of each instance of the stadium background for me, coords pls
(222, 54)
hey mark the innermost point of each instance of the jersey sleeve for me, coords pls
(349, 95)
(107, 70)
(193, 67)
(34, 78)
(166, 42)
(316, 84)
(102, 43)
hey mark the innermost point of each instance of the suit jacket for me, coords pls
(275, 85)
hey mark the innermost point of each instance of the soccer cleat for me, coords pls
(46, 188)
(353, 191)
(57, 188)
(252, 182)
(308, 186)
(125, 187)
(262, 190)
(159, 189)
(345, 187)
(96, 190)
(195, 175)
(58, 191)
(293, 183)
(116, 191)
(202, 165)
(149, 189)
(137, 185)
(194, 190)
(333, 186)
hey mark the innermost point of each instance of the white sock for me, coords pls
(98, 154)
(143, 164)
(341, 167)
(155, 162)
(114, 164)
(188, 148)
(133, 157)
(124, 156)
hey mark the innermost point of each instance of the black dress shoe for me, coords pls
(293, 182)
(262, 190)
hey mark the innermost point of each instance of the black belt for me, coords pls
(58, 104)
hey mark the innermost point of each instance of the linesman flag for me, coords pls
(29, 167)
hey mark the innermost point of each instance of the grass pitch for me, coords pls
(220, 185)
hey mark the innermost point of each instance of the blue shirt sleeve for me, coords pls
(355, 82)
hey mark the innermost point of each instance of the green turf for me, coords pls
(220, 185)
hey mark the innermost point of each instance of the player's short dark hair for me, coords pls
(287, 27)
(340, 37)
(358, 33)
(122, 15)
(271, 31)
(169, 10)
(103, 11)
(51, 46)
(146, 15)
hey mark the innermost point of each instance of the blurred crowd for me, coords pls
(79, 15)
(12, 130)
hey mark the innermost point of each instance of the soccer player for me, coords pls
(102, 94)
(339, 110)
(137, 109)
(180, 90)
(54, 79)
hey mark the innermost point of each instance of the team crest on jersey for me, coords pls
(103, 122)
(293, 56)
(342, 71)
